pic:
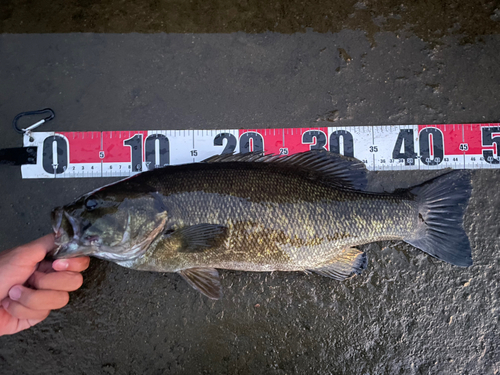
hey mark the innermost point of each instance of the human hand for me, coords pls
(30, 286)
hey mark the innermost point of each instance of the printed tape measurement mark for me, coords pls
(381, 148)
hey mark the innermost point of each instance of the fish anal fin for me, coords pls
(198, 238)
(204, 280)
(349, 262)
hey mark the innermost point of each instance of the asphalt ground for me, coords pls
(162, 65)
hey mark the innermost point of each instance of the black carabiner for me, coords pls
(30, 113)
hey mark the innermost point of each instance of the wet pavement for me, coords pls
(247, 65)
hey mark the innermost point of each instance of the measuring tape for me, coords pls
(381, 148)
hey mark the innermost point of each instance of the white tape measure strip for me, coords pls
(391, 147)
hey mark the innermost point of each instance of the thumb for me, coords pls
(31, 254)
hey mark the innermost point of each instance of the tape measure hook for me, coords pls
(29, 129)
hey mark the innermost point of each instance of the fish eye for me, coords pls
(91, 204)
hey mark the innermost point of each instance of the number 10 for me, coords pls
(157, 151)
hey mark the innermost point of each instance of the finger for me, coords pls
(45, 266)
(10, 325)
(23, 324)
(33, 252)
(22, 312)
(74, 264)
(39, 299)
(64, 280)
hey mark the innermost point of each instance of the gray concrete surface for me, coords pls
(406, 314)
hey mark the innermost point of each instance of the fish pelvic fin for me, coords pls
(204, 280)
(350, 261)
(337, 170)
(442, 204)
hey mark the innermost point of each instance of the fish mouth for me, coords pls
(70, 240)
(68, 232)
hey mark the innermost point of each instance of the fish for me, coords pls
(305, 212)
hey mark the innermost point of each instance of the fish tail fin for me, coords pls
(442, 203)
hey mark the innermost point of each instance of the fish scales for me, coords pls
(302, 223)
(305, 212)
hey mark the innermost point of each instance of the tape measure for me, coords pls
(381, 148)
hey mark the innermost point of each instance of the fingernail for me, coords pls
(61, 264)
(15, 293)
(6, 304)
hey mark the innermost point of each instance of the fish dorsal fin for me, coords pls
(204, 280)
(349, 262)
(198, 238)
(338, 170)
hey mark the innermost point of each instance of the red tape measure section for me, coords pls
(84, 146)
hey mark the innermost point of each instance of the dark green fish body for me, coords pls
(300, 225)
(305, 212)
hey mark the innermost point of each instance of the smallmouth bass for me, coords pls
(254, 212)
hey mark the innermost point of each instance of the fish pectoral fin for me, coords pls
(349, 262)
(204, 280)
(200, 237)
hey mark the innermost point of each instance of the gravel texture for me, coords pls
(406, 314)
